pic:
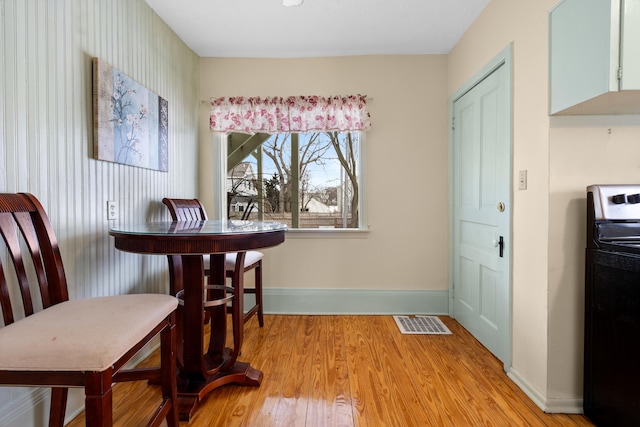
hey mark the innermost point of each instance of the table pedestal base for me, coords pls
(190, 393)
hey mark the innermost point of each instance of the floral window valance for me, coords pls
(292, 114)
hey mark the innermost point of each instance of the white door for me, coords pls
(481, 156)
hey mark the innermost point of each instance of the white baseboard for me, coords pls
(353, 301)
(551, 406)
(565, 406)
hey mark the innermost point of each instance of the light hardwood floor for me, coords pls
(356, 371)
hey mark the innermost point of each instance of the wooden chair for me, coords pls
(50, 341)
(192, 210)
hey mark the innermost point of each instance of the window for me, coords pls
(310, 180)
(298, 159)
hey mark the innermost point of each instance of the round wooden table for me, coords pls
(185, 243)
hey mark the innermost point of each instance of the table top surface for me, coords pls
(197, 228)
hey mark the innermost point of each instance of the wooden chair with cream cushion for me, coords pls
(48, 340)
(193, 210)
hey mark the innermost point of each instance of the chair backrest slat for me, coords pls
(247, 212)
(5, 299)
(10, 235)
(24, 223)
(185, 209)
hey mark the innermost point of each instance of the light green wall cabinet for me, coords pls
(594, 57)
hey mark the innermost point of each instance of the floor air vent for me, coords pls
(421, 325)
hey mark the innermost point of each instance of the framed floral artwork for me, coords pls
(130, 122)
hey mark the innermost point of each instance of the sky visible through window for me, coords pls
(326, 174)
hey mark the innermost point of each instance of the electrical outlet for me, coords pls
(522, 182)
(112, 209)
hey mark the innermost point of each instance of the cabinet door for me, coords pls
(630, 49)
(584, 51)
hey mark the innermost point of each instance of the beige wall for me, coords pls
(406, 167)
(583, 151)
(548, 217)
(524, 24)
(46, 140)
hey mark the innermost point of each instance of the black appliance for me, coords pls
(612, 306)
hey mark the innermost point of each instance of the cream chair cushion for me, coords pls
(86, 334)
(251, 257)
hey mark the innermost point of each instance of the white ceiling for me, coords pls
(267, 29)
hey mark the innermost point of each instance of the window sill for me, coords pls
(327, 233)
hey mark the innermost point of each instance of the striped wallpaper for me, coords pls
(46, 135)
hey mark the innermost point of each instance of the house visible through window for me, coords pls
(310, 180)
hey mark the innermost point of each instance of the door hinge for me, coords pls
(620, 73)
(453, 123)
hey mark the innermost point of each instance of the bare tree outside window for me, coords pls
(307, 180)
(346, 150)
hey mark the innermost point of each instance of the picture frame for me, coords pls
(130, 121)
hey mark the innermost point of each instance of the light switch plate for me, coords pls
(522, 180)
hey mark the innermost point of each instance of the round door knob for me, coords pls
(500, 207)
